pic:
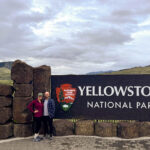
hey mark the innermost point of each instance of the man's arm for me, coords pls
(51, 108)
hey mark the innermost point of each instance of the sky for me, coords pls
(76, 36)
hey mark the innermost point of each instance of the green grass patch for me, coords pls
(5, 74)
(8, 82)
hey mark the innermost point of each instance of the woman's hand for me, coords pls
(36, 111)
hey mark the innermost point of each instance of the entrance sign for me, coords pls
(116, 97)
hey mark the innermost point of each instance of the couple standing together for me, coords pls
(43, 110)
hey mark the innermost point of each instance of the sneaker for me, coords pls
(50, 137)
(36, 140)
(46, 136)
(40, 138)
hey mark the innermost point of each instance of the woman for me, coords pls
(36, 107)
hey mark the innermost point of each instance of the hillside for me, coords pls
(135, 70)
(6, 79)
(5, 76)
(6, 64)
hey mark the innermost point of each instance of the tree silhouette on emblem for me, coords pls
(61, 95)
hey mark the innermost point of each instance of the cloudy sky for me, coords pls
(76, 36)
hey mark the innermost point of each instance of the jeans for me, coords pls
(37, 124)
(48, 125)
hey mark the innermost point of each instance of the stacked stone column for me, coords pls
(41, 80)
(6, 125)
(22, 76)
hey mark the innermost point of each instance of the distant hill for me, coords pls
(6, 64)
(99, 72)
(135, 70)
(5, 73)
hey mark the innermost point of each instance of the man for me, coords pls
(48, 115)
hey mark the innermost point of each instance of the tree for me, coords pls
(61, 95)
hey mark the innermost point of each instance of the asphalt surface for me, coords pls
(76, 143)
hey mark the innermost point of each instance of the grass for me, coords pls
(8, 82)
(5, 74)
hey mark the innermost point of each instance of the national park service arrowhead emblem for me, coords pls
(66, 96)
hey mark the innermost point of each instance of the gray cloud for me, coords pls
(75, 36)
(104, 36)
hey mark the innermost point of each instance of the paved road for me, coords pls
(77, 143)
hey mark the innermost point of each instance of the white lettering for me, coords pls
(81, 90)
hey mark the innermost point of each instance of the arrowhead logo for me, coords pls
(66, 96)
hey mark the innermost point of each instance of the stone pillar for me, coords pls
(41, 80)
(6, 126)
(22, 75)
(105, 129)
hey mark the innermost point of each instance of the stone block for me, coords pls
(84, 127)
(21, 72)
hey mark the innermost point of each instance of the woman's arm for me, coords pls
(30, 106)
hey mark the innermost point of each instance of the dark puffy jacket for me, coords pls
(51, 108)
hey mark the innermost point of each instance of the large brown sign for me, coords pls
(119, 97)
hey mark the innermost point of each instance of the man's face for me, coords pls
(46, 94)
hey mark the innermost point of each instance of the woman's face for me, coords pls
(40, 97)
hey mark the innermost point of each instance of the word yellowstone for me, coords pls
(114, 90)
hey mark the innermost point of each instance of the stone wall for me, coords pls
(6, 125)
(22, 76)
(122, 129)
(27, 83)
